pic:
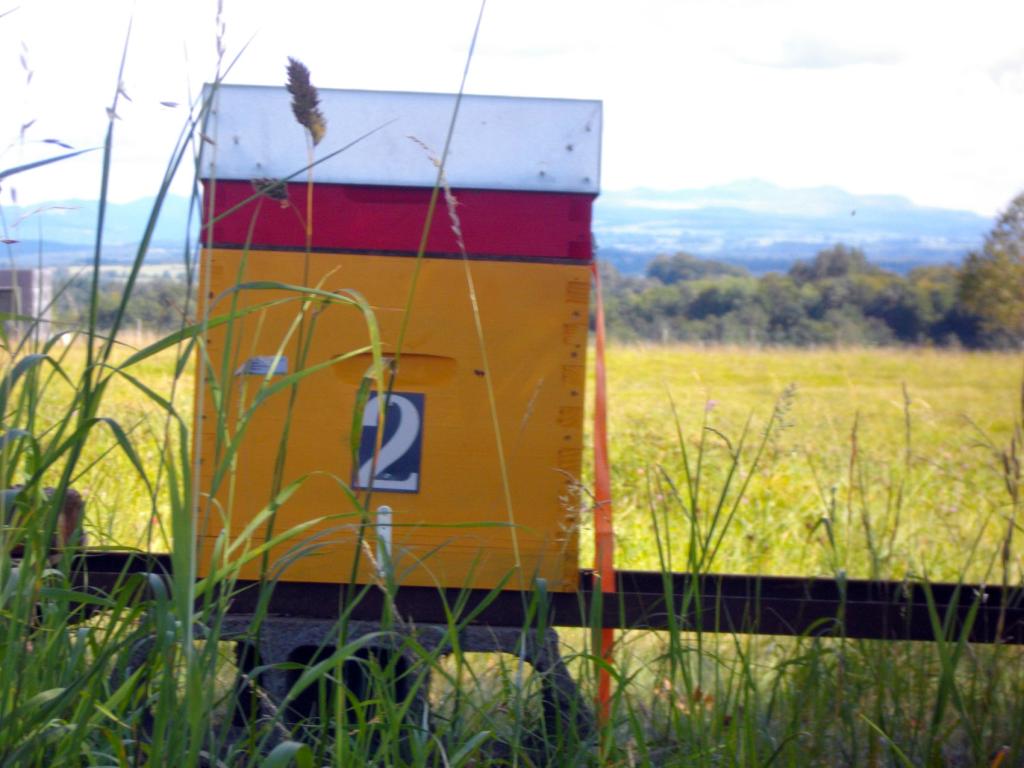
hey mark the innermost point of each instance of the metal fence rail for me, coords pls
(766, 605)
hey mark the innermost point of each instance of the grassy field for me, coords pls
(923, 485)
(120, 509)
(877, 463)
(885, 447)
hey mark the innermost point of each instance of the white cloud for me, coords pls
(1009, 73)
(812, 53)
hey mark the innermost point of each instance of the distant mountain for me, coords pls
(67, 229)
(753, 223)
(765, 227)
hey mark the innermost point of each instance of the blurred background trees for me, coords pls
(838, 297)
(992, 280)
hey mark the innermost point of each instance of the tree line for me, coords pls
(838, 297)
(158, 304)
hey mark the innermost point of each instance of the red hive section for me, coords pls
(498, 224)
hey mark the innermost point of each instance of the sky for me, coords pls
(921, 99)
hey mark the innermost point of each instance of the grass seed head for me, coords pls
(305, 100)
(275, 189)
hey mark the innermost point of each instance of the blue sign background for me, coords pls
(398, 464)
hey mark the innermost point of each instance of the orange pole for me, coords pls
(604, 532)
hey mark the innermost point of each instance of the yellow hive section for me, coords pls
(452, 524)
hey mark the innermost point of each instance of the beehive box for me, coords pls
(504, 317)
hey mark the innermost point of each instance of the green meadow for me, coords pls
(882, 464)
(869, 462)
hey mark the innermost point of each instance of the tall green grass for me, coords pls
(146, 673)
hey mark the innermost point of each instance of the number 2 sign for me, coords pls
(401, 451)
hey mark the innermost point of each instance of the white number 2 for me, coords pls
(393, 449)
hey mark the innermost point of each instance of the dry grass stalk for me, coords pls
(450, 200)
